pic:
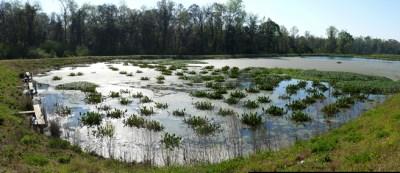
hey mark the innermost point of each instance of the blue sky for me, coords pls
(377, 18)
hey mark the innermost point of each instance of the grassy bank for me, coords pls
(371, 142)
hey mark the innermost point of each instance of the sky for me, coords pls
(376, 18)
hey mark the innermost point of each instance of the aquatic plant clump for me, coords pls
(263, 99)
(145, 99)
(114, 94)
(179, 113)
(226, 112)
(297, 105)
(232, 100)
(202, 126)
(116, 113)
(275, 111)
(91, 119)
(252, 120)
(81, 86)
(146, 111)
(251, 104)
(238, 94)
(252, 90)
(137, 95)
(204, 105)
(134, 121)
(199, 94)
(330, 109)
(171, 141)
(125, 101)
(299, 116)
(55, 78)
(93, 97)
(161, 105)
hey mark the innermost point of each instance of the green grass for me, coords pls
(368, 143)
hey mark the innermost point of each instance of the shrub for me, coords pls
(58, 143)
(123, 72)
(252, 120)
(139, 71)
(72, 74)
(203, 105)
(79, 74)
(91, 119)
(275, 111)
(299, 116)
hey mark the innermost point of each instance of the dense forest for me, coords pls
(170, 28)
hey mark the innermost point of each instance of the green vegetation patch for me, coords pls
(81, 86)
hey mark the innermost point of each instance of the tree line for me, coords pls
(169, 28)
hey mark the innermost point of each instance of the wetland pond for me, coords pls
(177, 113)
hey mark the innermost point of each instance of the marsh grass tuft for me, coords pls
(91, 119)
(275, 111)
(204, 105)
(161, 105)
(179, 113)
(300, 117)
(125, 101)
(252, 120)
(251, 104)
(146, 111)
(226, 112)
